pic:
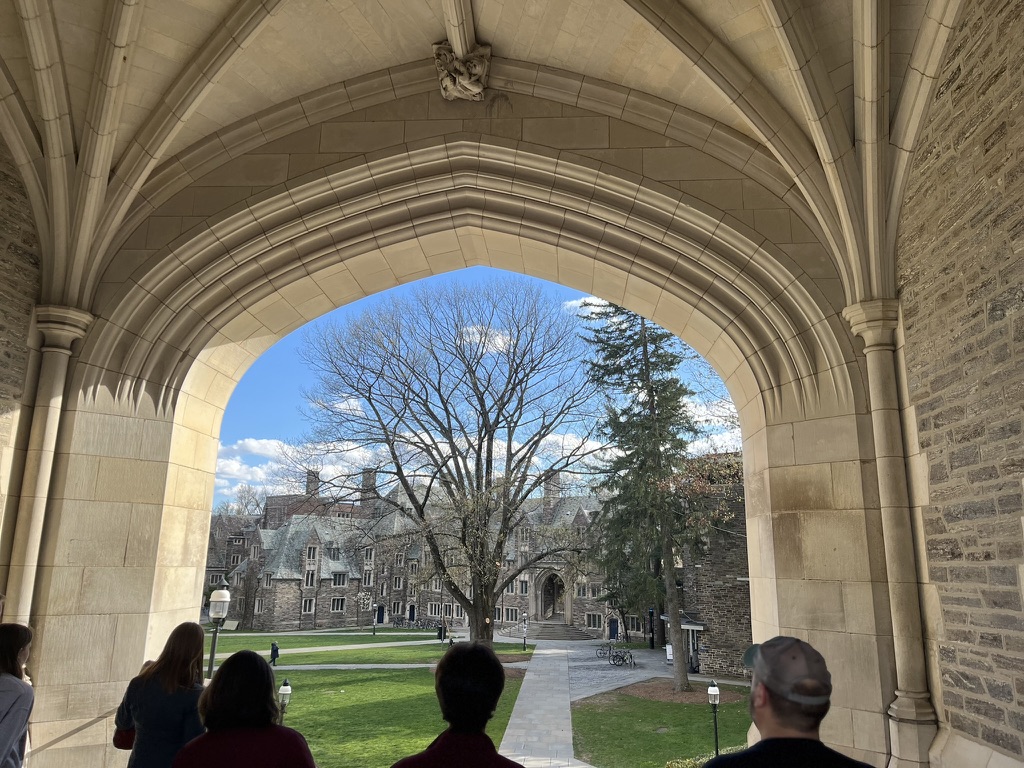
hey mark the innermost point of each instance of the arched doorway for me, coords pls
(552, 599)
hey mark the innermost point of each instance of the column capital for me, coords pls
(874, 321)
(61, 326)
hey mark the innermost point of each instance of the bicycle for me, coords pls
(604, 650)
(619, 658)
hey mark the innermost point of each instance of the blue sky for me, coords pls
(265, 408)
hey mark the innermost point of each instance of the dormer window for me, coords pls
(311, 553)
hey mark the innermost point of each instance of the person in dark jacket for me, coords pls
(790, 694)
(240, 712)
(275, 651)
(16, 696)
(468, 681)
(162, 703)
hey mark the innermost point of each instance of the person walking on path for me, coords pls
(241, 714)
(468, 682)
(790, 694)
(161, 703)
(275, 652)
(16, 695)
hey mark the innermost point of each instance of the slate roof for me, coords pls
(286, 546)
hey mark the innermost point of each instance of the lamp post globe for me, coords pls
(284, 695)
(714, 696)
(220, 601)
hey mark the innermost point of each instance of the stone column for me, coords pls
(61, 327)
(912, 722)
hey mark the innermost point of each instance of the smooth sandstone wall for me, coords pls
(19, 290)
(960, 262)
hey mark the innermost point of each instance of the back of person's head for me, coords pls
(469, 681)
(180, 663)
(241, 694)
(797, 679)
(14, 638)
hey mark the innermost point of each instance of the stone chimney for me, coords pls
(312, 482)
(368, 493)
(552, 491)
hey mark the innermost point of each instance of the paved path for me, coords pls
(539, 734)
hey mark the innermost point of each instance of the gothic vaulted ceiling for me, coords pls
(97, 95)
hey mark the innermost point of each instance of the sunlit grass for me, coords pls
(615, 730)
(228, 643)
(408, 654)
(373, 717)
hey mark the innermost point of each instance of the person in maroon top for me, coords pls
(240, 712)
(468, 681)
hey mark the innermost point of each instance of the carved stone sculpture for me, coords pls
(465, 78)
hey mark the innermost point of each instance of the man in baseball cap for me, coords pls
(790, 694)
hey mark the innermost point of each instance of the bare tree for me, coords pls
(248, 501)
(470, 398)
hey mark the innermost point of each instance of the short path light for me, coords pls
(714, 696)
(220, 599)
(284, 695)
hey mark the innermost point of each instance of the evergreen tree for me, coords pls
(648, 423)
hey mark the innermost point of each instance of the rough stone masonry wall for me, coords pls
(961, 286)
(19, 289)
(723, 594)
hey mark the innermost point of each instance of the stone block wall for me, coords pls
(723, 594)
(960, 263)
(19, 290)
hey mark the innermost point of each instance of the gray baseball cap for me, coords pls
(791, 669)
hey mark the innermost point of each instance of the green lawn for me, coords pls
(614, 730)
(409, 654)
(372, 718)
(228, 643)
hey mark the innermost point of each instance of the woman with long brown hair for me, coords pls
(161, 704)
(16, 696)
(240, 712)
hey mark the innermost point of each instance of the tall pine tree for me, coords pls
(645, 517)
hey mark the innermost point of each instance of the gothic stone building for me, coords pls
(312, 563)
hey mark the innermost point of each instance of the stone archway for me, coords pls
(154, 373)
(552, 599)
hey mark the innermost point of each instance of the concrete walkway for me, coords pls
(539, 734)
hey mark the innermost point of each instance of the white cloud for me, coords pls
(491, 339)
(713, 414)
(576, 306)
(722, 442)
(349, 405)
(253, 446)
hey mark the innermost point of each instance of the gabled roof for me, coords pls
(286, 547)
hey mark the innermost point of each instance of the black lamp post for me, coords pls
(284, 695)
(526, 625)
(374, 623)
(714, 696)
(220, 600)
(650, 625)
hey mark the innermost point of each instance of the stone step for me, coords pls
(547, 630)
